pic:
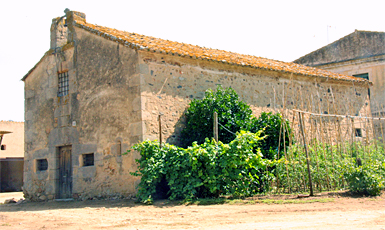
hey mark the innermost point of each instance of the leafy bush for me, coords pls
(273, 125)
(207, 170)
(366, 179)
(232, 113)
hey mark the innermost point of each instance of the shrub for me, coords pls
(272, 124)
(207, 170)
(367, 179)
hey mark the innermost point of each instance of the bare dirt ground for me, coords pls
(339, 212)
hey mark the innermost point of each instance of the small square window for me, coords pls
(88, 159)
(358, 132)
(63, 86)
(41, 164)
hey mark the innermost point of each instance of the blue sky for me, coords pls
(280, 30)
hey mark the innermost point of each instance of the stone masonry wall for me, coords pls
(100, 115)
(109, 116)
(170, 83)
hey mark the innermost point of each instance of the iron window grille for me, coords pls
(88, 159)
(42, 164)
(63, 84)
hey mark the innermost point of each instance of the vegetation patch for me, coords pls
(211, 169)
(262, 157)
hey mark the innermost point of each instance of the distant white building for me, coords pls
(12, 156)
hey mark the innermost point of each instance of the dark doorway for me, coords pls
(65, 173)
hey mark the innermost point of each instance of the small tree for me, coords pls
(232, 113)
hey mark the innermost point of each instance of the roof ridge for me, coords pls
(369, 31)
(152, 44)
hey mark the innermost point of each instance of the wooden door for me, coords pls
(65, 173)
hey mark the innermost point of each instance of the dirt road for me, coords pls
(337, 213)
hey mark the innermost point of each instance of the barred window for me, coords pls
(63, 84)
(88, 159)
(41, 164)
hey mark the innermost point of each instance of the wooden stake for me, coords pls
(307, 155)
(215, 128)
(160, 130)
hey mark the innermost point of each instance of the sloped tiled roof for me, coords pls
(152, 44)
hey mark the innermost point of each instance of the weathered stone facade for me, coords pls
(168, 88)
(117, 89)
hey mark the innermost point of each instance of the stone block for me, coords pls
(29, 115)
(137, 104)
(66, 110)
(146, 116)
(87, 172)
(57, 112)
(136, 80)
(51, 93)
(29, 93)
(64, 121)
(136, 129)
(53, 163)
(53, 174)
(143, 69)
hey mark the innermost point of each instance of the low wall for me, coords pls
(11, 174)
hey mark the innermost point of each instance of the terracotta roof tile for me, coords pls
(142, 42)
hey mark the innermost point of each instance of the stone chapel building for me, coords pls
(97, 91)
